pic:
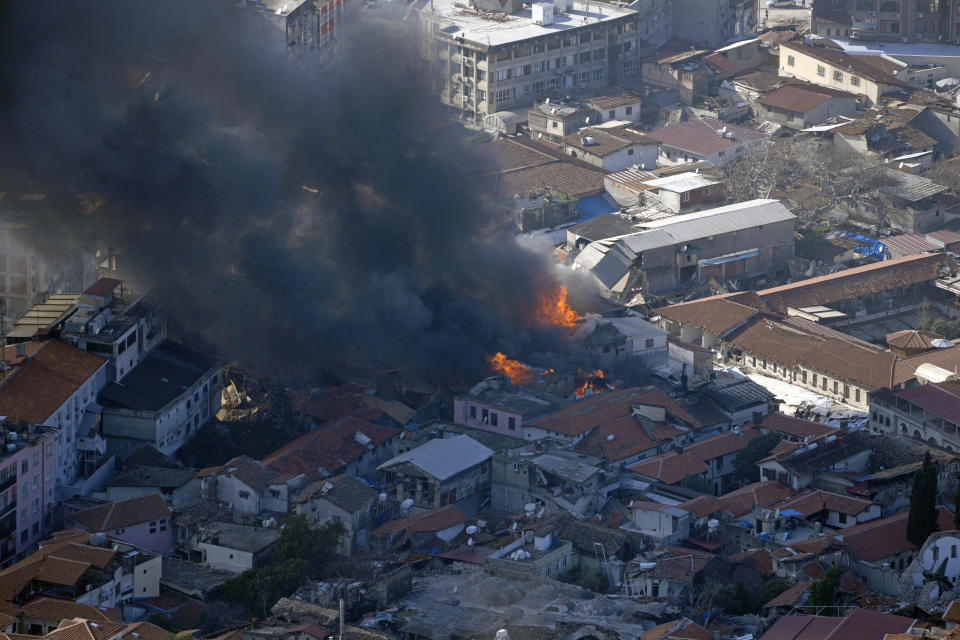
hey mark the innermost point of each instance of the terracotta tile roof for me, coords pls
(57, 368)
(328, 449)
(145, 631)
(846, 62)
(844, 358)
(882, 538)
(6, 620)
(672, 467)
(719, 63)
(103, 287)
(717, 314)
(628, 438)
(682, 564)
(682, 629)
(311, 630)
(795, 427)
(115, 515)
(435, 520)
(741, 502)
(60, 609)
(791, 596)
(905, 368)
(606, 408)
(799, 99)
(812, 502)
(607, 140)
(344, 490)
(700, 136)
(912, 339)
(245, 469)
(859, 281)
(79, 629)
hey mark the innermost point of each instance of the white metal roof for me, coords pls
(681, 182)
(692, 226)
(735, 45)
(443, 458)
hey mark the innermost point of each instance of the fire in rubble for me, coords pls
(593, 382)
(553, 310)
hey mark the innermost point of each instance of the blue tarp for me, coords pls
(791, 513)
(870, 247)
(593, 206)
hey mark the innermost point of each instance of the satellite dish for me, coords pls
(547, 101)
(587, 121)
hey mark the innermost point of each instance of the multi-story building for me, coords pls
(491, 57)
(27, 469)
(929, 412)
(837, 70)
(307, 30)
(75, 566)
(162, 402)
(116, 323)
(52, 384)
(710, 23)
(890, 20)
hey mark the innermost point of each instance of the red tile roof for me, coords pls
(328, 449)
(682, 629)
(789, 597)
(607, 408)
(103, 287)
(800, 99)
(435, 520)
(859, 281)
(811, 502)
(940, 399)
(700, 136)
(717, 314)
(115, 515)
(672, 467)
(58, 369)
(885, 537)
(741, 502)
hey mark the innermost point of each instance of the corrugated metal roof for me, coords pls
(444, 457)
(692, 226)
(910, 187)
(910, 243)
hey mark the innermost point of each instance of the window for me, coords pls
(629, 152)
(856, 395)
(611, 114)
(554, 123)
(836, 387)
(854, 81)
(936, 553)
(24, 535)
(821, 70)
(685, 197)
(843, 518)
(648, 343)
(494, 418)
(814, 379)
(953, 551)
(485, 416)
(24, 466)
(473, 412)
(503, 74)
(538, 67)
(838, 76)
(629, 111)
(512, 423)
(231, 556)
(504, 94)
(791, 61)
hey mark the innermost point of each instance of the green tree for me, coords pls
(774, 587)
(824, 592)
(745, 463)
(300, 553)
(922, 519)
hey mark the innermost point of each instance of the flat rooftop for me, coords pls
(240, 537)
(496, 29)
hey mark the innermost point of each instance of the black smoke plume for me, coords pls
(199, 150)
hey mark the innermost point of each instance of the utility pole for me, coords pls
(341, 619)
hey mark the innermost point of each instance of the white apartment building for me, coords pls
(492, 57)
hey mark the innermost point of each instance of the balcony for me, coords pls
(9, 482)
(8, 508)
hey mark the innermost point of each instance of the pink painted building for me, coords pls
(499, 406)
(28, 459)
(143, 522)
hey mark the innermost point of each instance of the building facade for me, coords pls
(488, 59)
(27, 480)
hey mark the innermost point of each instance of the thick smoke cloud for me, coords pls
(387, 258)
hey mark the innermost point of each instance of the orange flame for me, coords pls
(518, 372)
(553, 311)
(594, 382)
